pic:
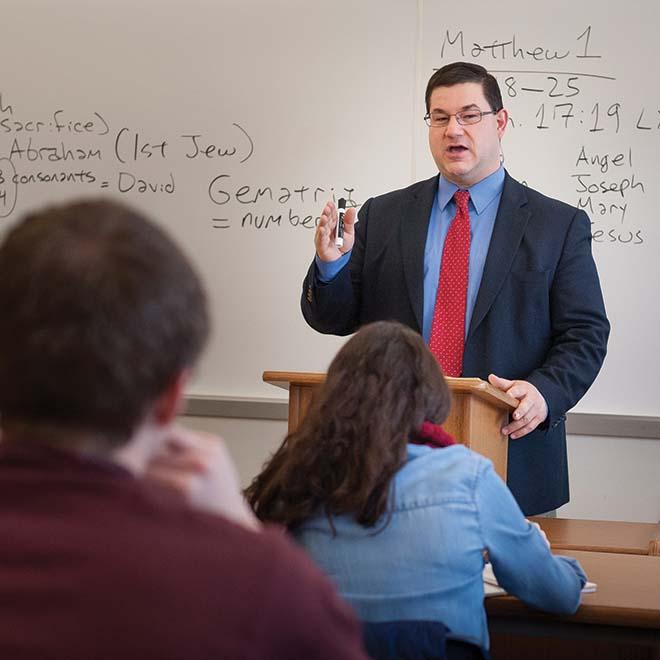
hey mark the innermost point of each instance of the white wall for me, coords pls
(610, 478)
(613, 479)
(250, 441)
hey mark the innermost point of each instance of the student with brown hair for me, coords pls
(395, 512)
(102, 320)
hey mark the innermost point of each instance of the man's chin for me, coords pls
(456, 174)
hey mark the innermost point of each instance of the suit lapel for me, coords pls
(510, 222)
(414, 225)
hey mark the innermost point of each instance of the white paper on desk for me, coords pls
(492, 588)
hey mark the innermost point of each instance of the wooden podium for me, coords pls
(477, 414)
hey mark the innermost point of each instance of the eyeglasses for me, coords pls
(464, 118)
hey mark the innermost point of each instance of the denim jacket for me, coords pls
(447, 507)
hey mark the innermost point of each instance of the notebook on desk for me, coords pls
(492, 588)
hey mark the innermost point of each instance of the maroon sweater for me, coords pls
(96, 565)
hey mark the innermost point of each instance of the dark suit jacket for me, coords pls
(539, 314)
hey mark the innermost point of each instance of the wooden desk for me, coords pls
(620, 620)
(602, 535)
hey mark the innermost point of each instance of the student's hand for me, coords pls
(540, 531)
(532, 408)
(324, 238)
(199, 466)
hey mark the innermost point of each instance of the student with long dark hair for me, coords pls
(395, 512)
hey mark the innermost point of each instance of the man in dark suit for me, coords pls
(102, 320)
(532, 309)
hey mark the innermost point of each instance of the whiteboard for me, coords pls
(231, 123)
(580, 81)
(288, 100)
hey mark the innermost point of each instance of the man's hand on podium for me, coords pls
(532, 408)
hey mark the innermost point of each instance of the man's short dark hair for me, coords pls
(99, 313)
(466, 72)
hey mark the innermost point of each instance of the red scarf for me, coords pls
(433, 435)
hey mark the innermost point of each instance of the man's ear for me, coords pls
(502, 118)
(170, 403)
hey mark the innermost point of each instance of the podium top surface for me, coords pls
(475, 386)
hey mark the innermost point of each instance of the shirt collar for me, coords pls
(481, 193)
(414, 451)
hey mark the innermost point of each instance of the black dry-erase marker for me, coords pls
(341, 209)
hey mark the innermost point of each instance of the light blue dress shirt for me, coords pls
(448, 506)
(484, 201)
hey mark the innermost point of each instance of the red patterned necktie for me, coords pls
(448, 327)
